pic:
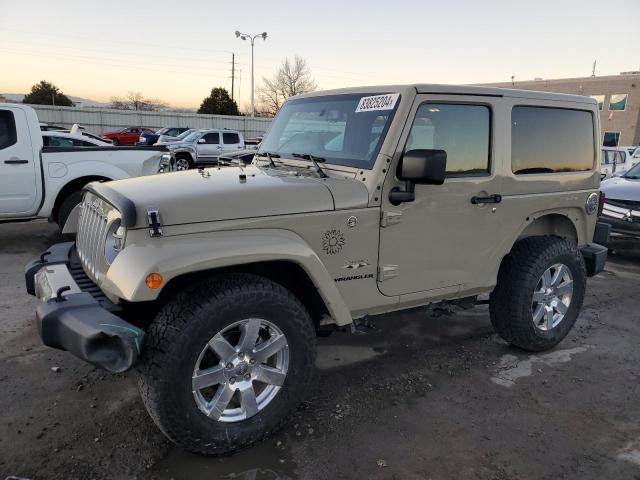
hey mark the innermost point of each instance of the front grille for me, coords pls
(92, 227)
(87, 285)
(622, 210)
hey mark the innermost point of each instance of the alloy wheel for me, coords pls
(240, 370)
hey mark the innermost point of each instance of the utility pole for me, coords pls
(233, 72)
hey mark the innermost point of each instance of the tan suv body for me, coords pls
(360, 201)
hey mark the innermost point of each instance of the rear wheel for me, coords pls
(226, 361)
(539, 294)
(115, 141)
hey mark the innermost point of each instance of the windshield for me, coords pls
(192, 137)
(185, 134)
(342, 129)
(634, 172)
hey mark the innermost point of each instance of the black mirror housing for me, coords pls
(423, 166)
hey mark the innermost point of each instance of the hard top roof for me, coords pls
(471, 90)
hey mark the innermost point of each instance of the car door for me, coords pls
(230, 142)
(439, 243)
(18, 169)
(209, 146)
(132, 135)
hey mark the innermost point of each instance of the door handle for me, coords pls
(15, 162)
(495, 198)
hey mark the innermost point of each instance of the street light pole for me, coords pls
(245, 36)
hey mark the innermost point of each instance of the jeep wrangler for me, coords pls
(215, 282)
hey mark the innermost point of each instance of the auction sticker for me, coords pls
(378, 102)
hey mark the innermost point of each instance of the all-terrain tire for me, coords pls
(67, 205)
(511, 301)
(180, 331)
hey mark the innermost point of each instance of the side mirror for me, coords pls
(201, 140)
(419, 166)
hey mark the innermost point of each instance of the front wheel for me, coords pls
(183, 162)
(540, 289)
(226, 361)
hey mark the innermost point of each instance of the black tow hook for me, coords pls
(61, 290)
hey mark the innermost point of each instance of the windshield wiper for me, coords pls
(270, 156)
(316, 162)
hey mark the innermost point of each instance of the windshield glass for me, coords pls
(191, 137)
(634, 172)
(339, 128)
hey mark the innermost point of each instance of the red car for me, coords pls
(126, 136)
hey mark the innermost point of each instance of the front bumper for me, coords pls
(595, 254)
(622, 228)
(74, 314)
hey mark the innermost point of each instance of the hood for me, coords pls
(620, 188)
(228, 193)
(176, 145)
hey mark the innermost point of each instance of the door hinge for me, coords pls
(390, 218)
(385, 272)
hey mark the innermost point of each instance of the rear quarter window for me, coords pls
(551, 140)
(230, 138)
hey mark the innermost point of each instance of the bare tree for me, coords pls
(136, 101)
(292, 78)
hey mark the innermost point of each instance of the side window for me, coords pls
(611, 139)
(618, 102)
(8, 135)
(60, 142)
(463, 131)
(549, 140)
(82, 143)
(212, 138)
(230, 138)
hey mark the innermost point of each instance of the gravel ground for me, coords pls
(428, 394)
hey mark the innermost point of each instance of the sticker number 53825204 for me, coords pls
(378, 102)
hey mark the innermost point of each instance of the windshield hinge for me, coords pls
(385, 272)
(155, 224)
(390, 218)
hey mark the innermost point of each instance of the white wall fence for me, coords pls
(100, 120)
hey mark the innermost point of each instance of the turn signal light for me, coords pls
(154, 280)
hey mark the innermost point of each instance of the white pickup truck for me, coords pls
(41, 181)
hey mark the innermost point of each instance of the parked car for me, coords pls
(126, 136)
(203, 147)
(42, 173)
(165, 139)
(616, 161)
(59, 138)
(621, 207)
(162, 135)
(239, 268)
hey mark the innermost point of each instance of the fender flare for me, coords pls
(184, 254)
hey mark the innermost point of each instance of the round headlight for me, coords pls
(591, 205)
(114, 243)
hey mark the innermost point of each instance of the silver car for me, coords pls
(202, 147)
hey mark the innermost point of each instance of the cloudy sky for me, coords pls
(178, 51)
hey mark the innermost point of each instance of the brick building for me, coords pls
(618, 97)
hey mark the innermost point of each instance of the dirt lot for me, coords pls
(429, 394)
